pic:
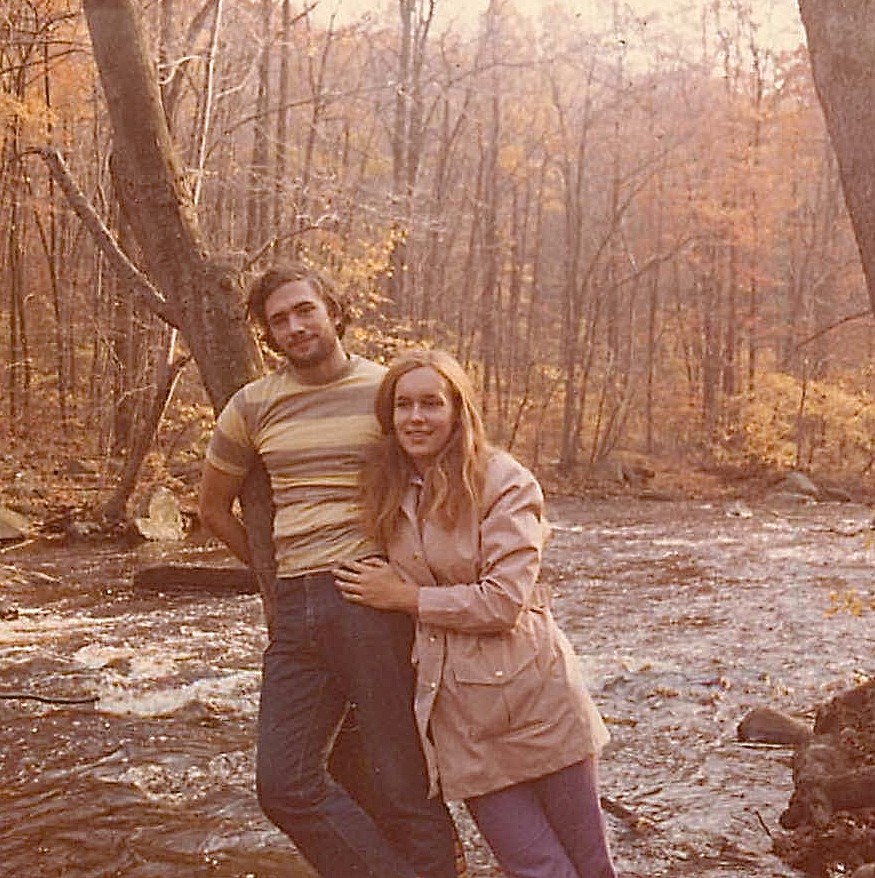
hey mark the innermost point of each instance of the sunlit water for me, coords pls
(685, 617)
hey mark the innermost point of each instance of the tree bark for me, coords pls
(168, 373)
(204, 295)
(200, 295)
(258, 193)
(841, 44)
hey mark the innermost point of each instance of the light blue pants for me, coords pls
(550, 827)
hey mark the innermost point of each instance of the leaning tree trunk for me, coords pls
(204, 297)
(168, 372)
(841, 43)
(200, 295)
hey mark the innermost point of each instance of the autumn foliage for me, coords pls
(637, 245)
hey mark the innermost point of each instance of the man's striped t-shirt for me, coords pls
(311, 439)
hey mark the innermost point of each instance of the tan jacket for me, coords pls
(499, 695)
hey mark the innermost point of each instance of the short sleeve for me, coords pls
(231, 449)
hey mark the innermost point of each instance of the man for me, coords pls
(309, 423)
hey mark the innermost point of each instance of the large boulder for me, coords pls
(830, 818)
(165, 520)
(799, 484)
(765, 725)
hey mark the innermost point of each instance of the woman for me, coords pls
(506, 723)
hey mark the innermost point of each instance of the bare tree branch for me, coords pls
(143, 289)
(830, 327)
(325, 221)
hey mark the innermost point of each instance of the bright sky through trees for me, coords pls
(779, 24)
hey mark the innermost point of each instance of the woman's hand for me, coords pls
(374, 583)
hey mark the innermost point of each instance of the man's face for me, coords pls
(300, 323)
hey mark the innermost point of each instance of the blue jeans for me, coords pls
(325, 654)
(550, 827)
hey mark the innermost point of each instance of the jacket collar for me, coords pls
(410, 500)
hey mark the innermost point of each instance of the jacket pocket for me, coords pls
(499, 691)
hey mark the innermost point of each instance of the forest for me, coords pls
(654, 250)
(638, 244)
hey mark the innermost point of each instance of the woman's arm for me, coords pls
(511, 538)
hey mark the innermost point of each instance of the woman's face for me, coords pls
(423, 415)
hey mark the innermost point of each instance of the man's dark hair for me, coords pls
(277, 275)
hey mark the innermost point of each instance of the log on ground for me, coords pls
(192, 578)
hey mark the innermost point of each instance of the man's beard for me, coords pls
(318, 350)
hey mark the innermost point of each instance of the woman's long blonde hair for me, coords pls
(454, 483)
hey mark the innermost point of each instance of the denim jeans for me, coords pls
(550, 827)
(325, 654)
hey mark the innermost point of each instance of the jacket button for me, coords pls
(499, 673)
(433, 685)
(432, 638)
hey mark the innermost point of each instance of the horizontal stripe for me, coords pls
(286, 401)
(229, 456)
(317, 438)
(320, 556)
(311, 440)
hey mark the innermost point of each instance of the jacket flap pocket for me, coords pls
(493, 667)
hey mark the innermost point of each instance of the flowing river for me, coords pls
(686, 615)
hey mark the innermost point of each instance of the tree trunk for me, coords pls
(281, 149)
(202, 297)
(19, 343)
(841, 43)
(168, 372)
(258, 193)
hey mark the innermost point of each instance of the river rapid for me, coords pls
(685, 615)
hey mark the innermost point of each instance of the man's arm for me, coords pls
(218, 491)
